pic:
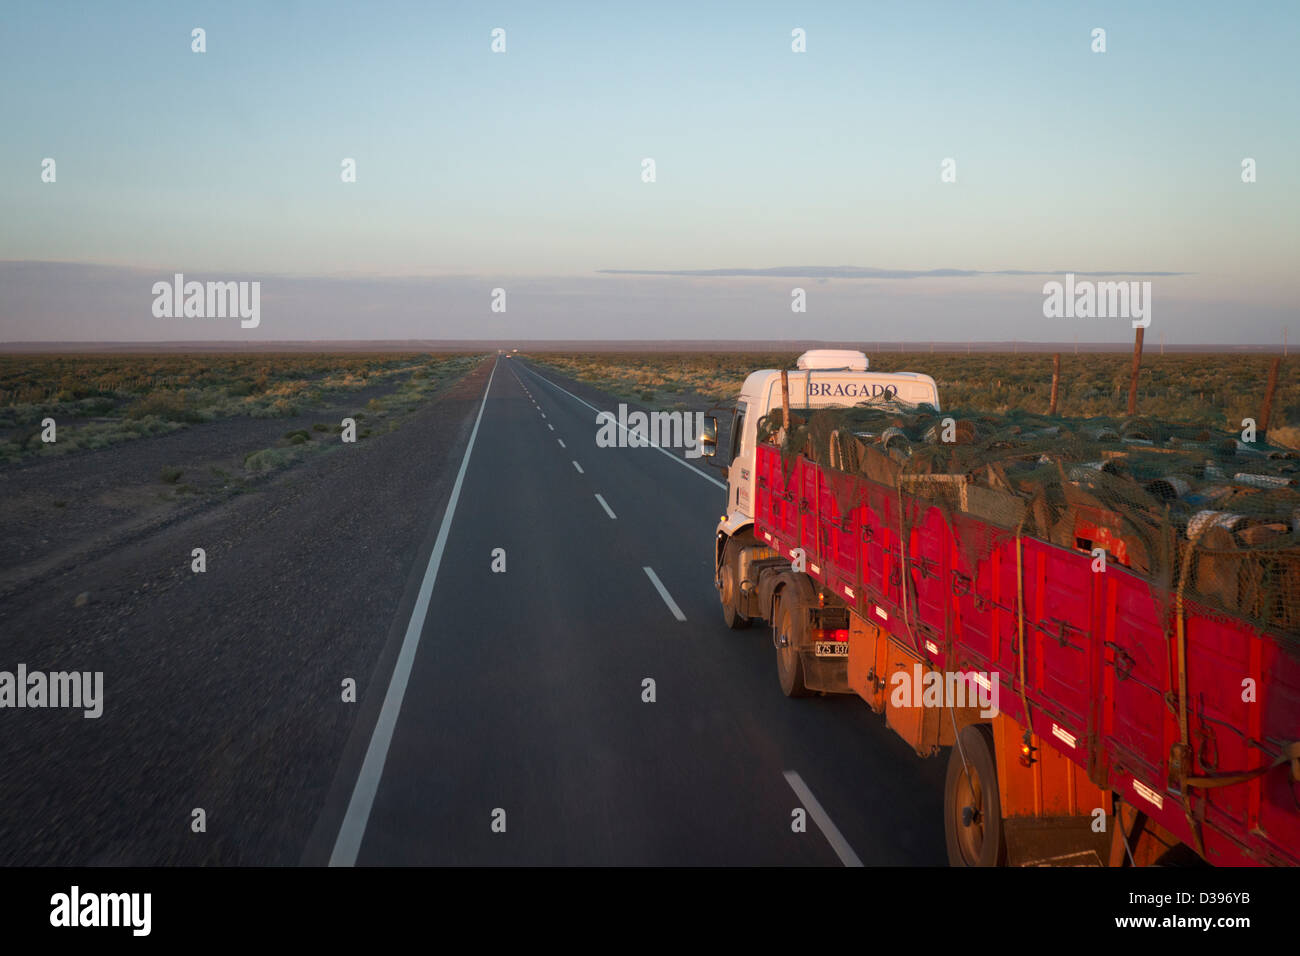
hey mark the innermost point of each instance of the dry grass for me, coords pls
(1204, 388)
(101, 400)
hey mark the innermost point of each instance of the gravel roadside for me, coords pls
(222, 690)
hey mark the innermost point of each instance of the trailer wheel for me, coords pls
(729, 587)
(791, 618)
(971, 807)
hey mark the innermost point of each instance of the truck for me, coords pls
(1089, 718)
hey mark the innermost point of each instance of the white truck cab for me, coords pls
(821, 378)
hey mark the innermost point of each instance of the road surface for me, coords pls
(514, 728)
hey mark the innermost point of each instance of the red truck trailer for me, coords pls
(1129, 724)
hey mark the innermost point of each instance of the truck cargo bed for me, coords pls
(1101, 651)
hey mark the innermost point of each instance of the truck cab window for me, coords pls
(737, 429)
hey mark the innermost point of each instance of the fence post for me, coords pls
(1056, 381)
(1133, 378)
(1267, 411)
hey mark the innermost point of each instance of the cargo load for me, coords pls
(1195, 510)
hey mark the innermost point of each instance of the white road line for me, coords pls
(829, 830)
(663, 593)
(579, 467)
(681, 461)
(608, 510)
(353, 828)
(561, 441)
(550, 426)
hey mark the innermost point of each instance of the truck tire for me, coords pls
(790, 620)
(971, 808)
(729, 586)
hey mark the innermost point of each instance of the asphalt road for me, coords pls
(514, 728)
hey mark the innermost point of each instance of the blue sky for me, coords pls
(526, 165)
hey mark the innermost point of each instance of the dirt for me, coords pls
(57, 511)
(222, 690)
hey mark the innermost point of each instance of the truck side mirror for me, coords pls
(709, 437)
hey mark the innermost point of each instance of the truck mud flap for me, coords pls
(830, 675)
(1054, 841)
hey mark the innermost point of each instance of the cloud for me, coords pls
(76, 302)
(866, 272)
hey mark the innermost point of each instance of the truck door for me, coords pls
(740, 455)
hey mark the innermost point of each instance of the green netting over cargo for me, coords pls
(1185, 505)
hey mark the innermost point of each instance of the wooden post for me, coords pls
(1056, 381)
(1133, 379)
(1267, 411)
(785, 399)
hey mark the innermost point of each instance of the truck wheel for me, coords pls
(791, 618)
(971, 807)
(729, 587)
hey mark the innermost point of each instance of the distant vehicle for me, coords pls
(1081, 763)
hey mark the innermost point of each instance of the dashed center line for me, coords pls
(550, 426)
(579, 467)
(663, 451)
(663, 593)
(561, 441)
(608, 510)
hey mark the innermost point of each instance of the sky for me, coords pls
(523, 170)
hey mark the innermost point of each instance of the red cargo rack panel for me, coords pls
(1100, 661)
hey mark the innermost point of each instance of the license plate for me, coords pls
(831, 648)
